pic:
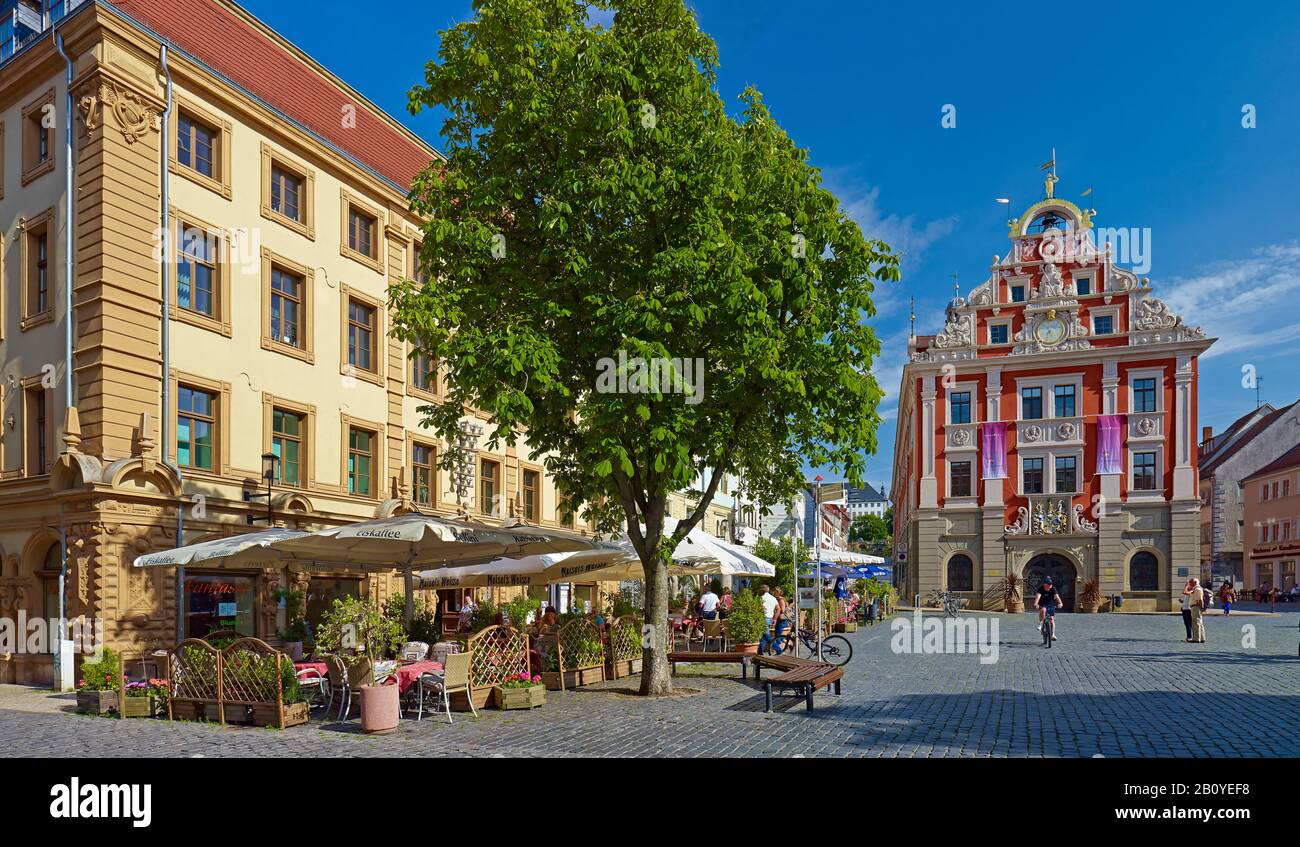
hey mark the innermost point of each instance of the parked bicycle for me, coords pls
(835, 649)
(944, 599)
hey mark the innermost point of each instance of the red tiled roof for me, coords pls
(1289, 459)
(216, 35)
(1245, 438)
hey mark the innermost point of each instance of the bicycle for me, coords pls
(951, 606)
(835, 649)
(1049, 625)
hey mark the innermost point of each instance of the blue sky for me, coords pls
(1143, 104)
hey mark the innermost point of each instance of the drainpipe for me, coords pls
(59, 658)
(164, 147)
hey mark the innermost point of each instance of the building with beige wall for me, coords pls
(287, 219)
(1271, 513)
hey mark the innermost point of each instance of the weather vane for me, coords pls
(913, 316)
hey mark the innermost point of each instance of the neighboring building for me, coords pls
(784, 520)
(1050, 429)
(866, 501)
(288, 218)
(1250, 443)
(720, 514)
(1271, 511)
(834, 522)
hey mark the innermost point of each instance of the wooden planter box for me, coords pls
(520, 698)
(622, 668)
(846, 627)
(482, 697)
(142, 707)
(265, 714)
(574, 678)
(96, 702)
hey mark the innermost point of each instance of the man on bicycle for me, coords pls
(1046, 601)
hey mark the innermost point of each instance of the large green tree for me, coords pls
(597, 200)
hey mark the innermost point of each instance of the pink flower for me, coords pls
(537, 678)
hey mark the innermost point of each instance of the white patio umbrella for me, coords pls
(413, 539)
(245, 549)
(606, 562)
(708, 555)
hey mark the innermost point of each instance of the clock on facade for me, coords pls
(1051, 329)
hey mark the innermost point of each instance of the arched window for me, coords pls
(961, 574)
(1143, 572)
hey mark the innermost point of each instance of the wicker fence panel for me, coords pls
(250, 673)
(500, 652)
(580, 645)
(193, 673)
(625, 639)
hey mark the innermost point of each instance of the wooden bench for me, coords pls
(784, 662)
(805, 679)
(703, 657)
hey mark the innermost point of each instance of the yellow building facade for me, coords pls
(282, 237)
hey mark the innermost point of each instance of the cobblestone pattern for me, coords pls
(1115, 685)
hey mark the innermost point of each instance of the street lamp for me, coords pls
(269, 465)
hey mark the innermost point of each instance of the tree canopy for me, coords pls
(599, 209)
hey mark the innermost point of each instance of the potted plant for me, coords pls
(293, 704)
(520, 692)
(144, 699)
(517, 612)
(295, 630)
(1012, 601)
(351, 623)
(746, 624)
(1089, 597)
(100, 684)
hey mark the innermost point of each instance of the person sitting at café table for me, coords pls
(708, 604)
(725, 603)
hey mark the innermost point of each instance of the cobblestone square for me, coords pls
(1114, 685)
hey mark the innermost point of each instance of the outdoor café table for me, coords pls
(408, 674)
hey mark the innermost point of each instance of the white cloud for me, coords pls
(907, 238)
(1239, 301)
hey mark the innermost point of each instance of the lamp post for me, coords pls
(269, 464)
(817, 539)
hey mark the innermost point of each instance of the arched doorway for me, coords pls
(1062, 572)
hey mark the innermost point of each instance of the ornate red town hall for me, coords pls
(1050, 429)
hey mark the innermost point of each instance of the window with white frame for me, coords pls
(1051, 472)
(999, 331)
(959, 479)
(1050, 397)
(1145, 390)
(959, 407)
(1031, 475)
(1085, 283)
(1105, 320)
(1145, 466)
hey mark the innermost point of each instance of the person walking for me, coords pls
(1227, 596)
(1197, 602)
(1186, 601)
(770, 605)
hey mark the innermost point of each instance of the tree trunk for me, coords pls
(655, 678)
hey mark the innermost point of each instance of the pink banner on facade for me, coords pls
(994, 447)
(1110, 444)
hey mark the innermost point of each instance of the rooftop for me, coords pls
(1289, 459)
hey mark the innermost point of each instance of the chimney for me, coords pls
(1207, 432)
